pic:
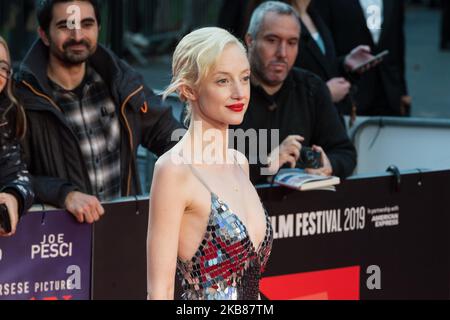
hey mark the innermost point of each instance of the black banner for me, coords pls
(369, 240)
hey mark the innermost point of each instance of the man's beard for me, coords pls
(258, 71)
(72, 58)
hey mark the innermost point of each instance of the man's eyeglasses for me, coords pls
(5, 70)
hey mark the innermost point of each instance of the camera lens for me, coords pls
(310, 158)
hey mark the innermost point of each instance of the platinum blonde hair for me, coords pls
(21, 120)
(195, 56)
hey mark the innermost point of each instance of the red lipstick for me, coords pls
(239, 107)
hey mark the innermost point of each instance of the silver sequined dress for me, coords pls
(226, 266)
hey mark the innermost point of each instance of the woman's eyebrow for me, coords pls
(228, 73)
(221, 72)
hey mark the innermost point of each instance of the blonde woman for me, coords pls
(15, 189)
(206, 219)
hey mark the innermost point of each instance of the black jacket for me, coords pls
(52, 150)
(14, 178)
(303, 107)
(311, 58)
(348, 26)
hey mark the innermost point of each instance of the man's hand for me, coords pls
(359, 55)
(339, 88)
(287, 152)
(405, 106)
(326, 169)
(13, 209)
(84, 207)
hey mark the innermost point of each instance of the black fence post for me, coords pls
(116, 26)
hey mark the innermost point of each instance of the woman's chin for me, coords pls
(235, 120)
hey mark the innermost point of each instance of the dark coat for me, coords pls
(302, 107)
(347, 23)
(326, 66)
(14, 177)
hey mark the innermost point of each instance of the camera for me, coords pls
(310, 159)
(5, 223)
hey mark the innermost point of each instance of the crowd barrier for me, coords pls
(372, 239)
(408, 143)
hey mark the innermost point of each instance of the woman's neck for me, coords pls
(302, 7)
(207, 143)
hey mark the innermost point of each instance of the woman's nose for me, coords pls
(238, 91)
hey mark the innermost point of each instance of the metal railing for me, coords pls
(408, 143)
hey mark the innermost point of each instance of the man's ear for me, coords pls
(248, 40)
(43, 36)
(187, 92)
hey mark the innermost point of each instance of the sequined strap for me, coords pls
(239, 164)
(199, 177)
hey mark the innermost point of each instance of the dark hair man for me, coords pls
(293, 101)
(88, 112)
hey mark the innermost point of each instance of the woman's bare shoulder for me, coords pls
(172, 174)
(171, 165)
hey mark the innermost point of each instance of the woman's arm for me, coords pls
(168, 200)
